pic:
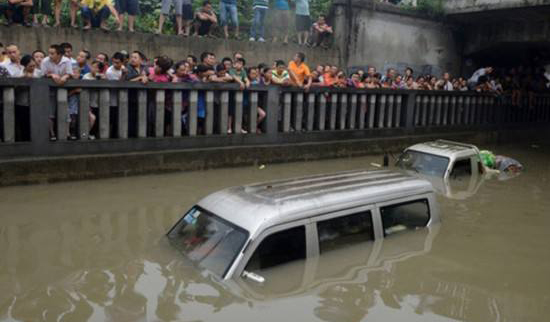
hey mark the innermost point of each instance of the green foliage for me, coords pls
(432, 8)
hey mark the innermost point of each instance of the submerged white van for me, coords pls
(240, 231)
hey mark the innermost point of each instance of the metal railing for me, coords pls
(161, 116)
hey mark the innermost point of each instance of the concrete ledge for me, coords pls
(29, 39)
(54, 169)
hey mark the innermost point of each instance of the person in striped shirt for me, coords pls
(260, 10)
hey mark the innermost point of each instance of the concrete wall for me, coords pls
(381, 35)
(29, 39)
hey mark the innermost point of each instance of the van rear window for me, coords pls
(345, 231)
(403, 216)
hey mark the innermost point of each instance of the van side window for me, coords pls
(344, 231)
(279, 248)
(462, 168)
(405, 215)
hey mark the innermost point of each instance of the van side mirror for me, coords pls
(253, 277)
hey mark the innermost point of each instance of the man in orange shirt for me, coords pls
(299, 72)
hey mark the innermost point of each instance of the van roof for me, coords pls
(449, 149)
(257, 206)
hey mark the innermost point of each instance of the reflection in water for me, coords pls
(96, 251)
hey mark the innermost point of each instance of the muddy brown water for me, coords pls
(96, 251)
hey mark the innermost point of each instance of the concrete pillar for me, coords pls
(286, 111)
(398, 102)
(176, 113)
(321, 115)
(83, 114)
(390, 107)
(160, 103)
(417, 109)
(209, 117)
(343, 111)
(192, 113)
(425, 109)
(298, 111)
(372, 109)
(333, 108)
(382, 110)
(224, 110)
(238, 116)
(310, 111)
(9, 114)
(452, 110)
(253, 112)
(61, 120)
(352, 115)
(432, 110)
(445, 110)
(104, 113)
(362, 110)
(142, 113)
(122, 114)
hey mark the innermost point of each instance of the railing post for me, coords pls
(343, 111)
(411, 100)
(192, 114)
(398, 103)
(9, 114)
(104, 111)
(372, 109)
(310, 111)
(333, 108)
(321, 115)
(438, 108)
(298, 111)
(40, 107)
(209, 117)
(253, 113)
(286, 111)
(61, 119)
(272, 111)
(176, 113)
(160, 103)
(224, 108)
(390, 107)
(123, 114)
(83, 114)
(142, 113)
(352, 115)
(238, 115)
(362, 110)
(382, 110)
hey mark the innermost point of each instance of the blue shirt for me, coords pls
(302, 7)
(281, 5)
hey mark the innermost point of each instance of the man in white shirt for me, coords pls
(56, 66)
(59, 68)
(117, 71)
(13, 65)
(447, 86)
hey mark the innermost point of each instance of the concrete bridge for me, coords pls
(158, 128)
(455, 7)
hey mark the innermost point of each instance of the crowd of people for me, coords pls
(201, 22)
(61, 64)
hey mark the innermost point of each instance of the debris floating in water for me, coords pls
(261, 167)
(376, 165)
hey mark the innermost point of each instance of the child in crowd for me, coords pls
(240, 76)
(279, 75)
(255, 79)
(94, 74)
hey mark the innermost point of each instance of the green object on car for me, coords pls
(488, 158)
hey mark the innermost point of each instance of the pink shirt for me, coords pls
(160, 78)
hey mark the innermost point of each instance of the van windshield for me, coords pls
(208, 240)
(423, 163)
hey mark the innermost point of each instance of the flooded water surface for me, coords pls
(97, 251)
